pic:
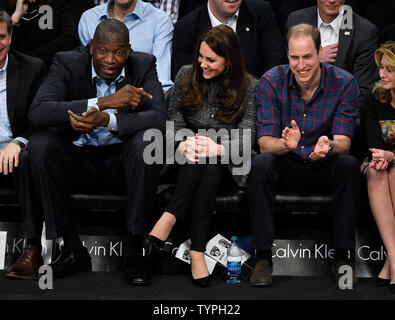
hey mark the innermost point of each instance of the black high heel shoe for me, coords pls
(202, 282)
(392, 287)
(380, 282)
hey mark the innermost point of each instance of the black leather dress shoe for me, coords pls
(202, 282)
(137, 270)
(68, 263)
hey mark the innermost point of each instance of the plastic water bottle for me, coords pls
(233, 274)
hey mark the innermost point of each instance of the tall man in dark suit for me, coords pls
(348, 41)
(99, 104)
(20, 76)
(252, 20)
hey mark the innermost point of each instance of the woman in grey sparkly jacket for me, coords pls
(213, 109)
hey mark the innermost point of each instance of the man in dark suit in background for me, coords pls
(99, 104)
(20, 76)
(348, 46)
(252, 20)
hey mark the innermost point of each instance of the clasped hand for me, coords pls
(198, 147)
(89, 120)
(328, 53)
(380, 159)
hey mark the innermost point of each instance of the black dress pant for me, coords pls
(268, 172)
(20, 179)
(195, 191)
(60, 168)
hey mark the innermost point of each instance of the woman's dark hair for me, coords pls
(225, 43)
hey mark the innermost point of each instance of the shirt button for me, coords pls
(302, 132)
(302, 147)
(212, 116)
(304, 115)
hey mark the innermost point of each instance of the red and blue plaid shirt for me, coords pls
(332, 110)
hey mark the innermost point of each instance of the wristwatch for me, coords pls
(330, 146)
(19, 143)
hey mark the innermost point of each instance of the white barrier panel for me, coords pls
(3, 242)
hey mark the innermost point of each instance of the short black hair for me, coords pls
(4, 17)
(111, 26)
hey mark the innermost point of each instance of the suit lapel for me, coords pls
(204, 23)
(124, 82)
(13, 80)
(345, 38)
(244, 29)
(313, 17)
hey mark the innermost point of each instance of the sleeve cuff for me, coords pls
(23, 140)
(112, 124)
(92, 103)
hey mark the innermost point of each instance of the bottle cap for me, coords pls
(233, 238)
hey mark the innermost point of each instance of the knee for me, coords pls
(135, 148)
(40, 146)
(346, 164)
(375, 177)
(214, 173)
(263, 165)
(392, 175)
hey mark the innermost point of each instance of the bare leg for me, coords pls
(390, 231)
(163, 226)
(198, 265)
(381, 204)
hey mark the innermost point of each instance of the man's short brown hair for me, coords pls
(304, 29)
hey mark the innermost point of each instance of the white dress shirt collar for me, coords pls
(232, 22)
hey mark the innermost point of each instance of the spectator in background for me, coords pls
(20, 76)
(151, 30)
(252, 20)
(215, 93)
(43, 33)
(171, 7)
(378, 127)
(350, 47)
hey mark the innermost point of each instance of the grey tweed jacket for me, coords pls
(234, 136)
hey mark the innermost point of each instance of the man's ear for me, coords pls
(91, 48)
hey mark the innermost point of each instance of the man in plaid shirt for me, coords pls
(306, 113)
